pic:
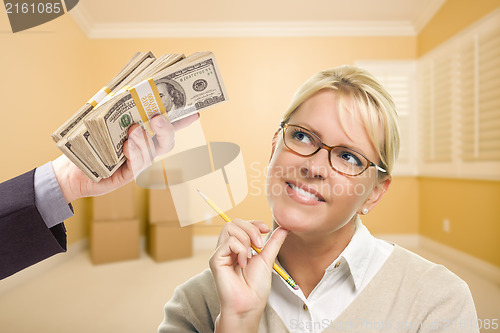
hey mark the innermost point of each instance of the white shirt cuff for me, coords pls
(49, 199)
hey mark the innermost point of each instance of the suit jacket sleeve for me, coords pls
(24, 236)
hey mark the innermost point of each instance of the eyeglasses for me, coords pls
(342, 159)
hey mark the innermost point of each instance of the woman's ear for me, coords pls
(377, 193)
(274, 142)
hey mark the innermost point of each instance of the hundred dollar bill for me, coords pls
(68, 150)
(83, 145)
(184, 88)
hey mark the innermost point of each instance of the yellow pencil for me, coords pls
(288, 279)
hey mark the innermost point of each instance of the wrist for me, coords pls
(63, 177)
(231, 322)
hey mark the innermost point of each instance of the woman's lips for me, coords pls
(303, 194)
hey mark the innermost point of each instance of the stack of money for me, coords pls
(172, 85)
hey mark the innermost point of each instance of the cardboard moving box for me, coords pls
(162, 208)
(119, 204)
(114, 240)
(169, 242)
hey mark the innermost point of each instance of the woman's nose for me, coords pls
(317, 165)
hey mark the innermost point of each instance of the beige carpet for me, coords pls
(128, 297)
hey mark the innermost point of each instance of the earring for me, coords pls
(364, 211)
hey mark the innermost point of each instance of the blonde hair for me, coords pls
(375, 105)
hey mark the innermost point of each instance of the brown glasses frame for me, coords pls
(284, 127)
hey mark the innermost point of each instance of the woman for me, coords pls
(332, 160)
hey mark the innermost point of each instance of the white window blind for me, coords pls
(459, 104)
(399, 78)
(481, 111)
(436, 114)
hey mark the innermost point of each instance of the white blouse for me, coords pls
(341, 284)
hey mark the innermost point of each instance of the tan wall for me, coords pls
(398, 212)
(472, 209)
(45, 78)
(453, 16)
(261, 74)
(48, 72)
(471, 206)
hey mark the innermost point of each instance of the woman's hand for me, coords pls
(243, 281)
(140, 151)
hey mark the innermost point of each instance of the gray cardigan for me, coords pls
(408, 294)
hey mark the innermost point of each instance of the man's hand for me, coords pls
(140, 151)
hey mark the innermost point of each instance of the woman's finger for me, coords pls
(263, 227)
(273, 245)
(229, 252)
(253, 229)
(240, 250)
(248, 232)
(233, 230)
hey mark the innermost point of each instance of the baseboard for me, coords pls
(479, 266)
(38, 269)
(208, 243)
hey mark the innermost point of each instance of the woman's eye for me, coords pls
(301, 137)
(350, 158)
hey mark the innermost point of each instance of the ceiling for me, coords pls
(196, 18)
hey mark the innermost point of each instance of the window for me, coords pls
(459, 104)
(399, 78)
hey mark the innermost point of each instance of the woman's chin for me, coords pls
(292, 220)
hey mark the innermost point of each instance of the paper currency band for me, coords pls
(99, 96)
(111, 94)
(148, 101)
